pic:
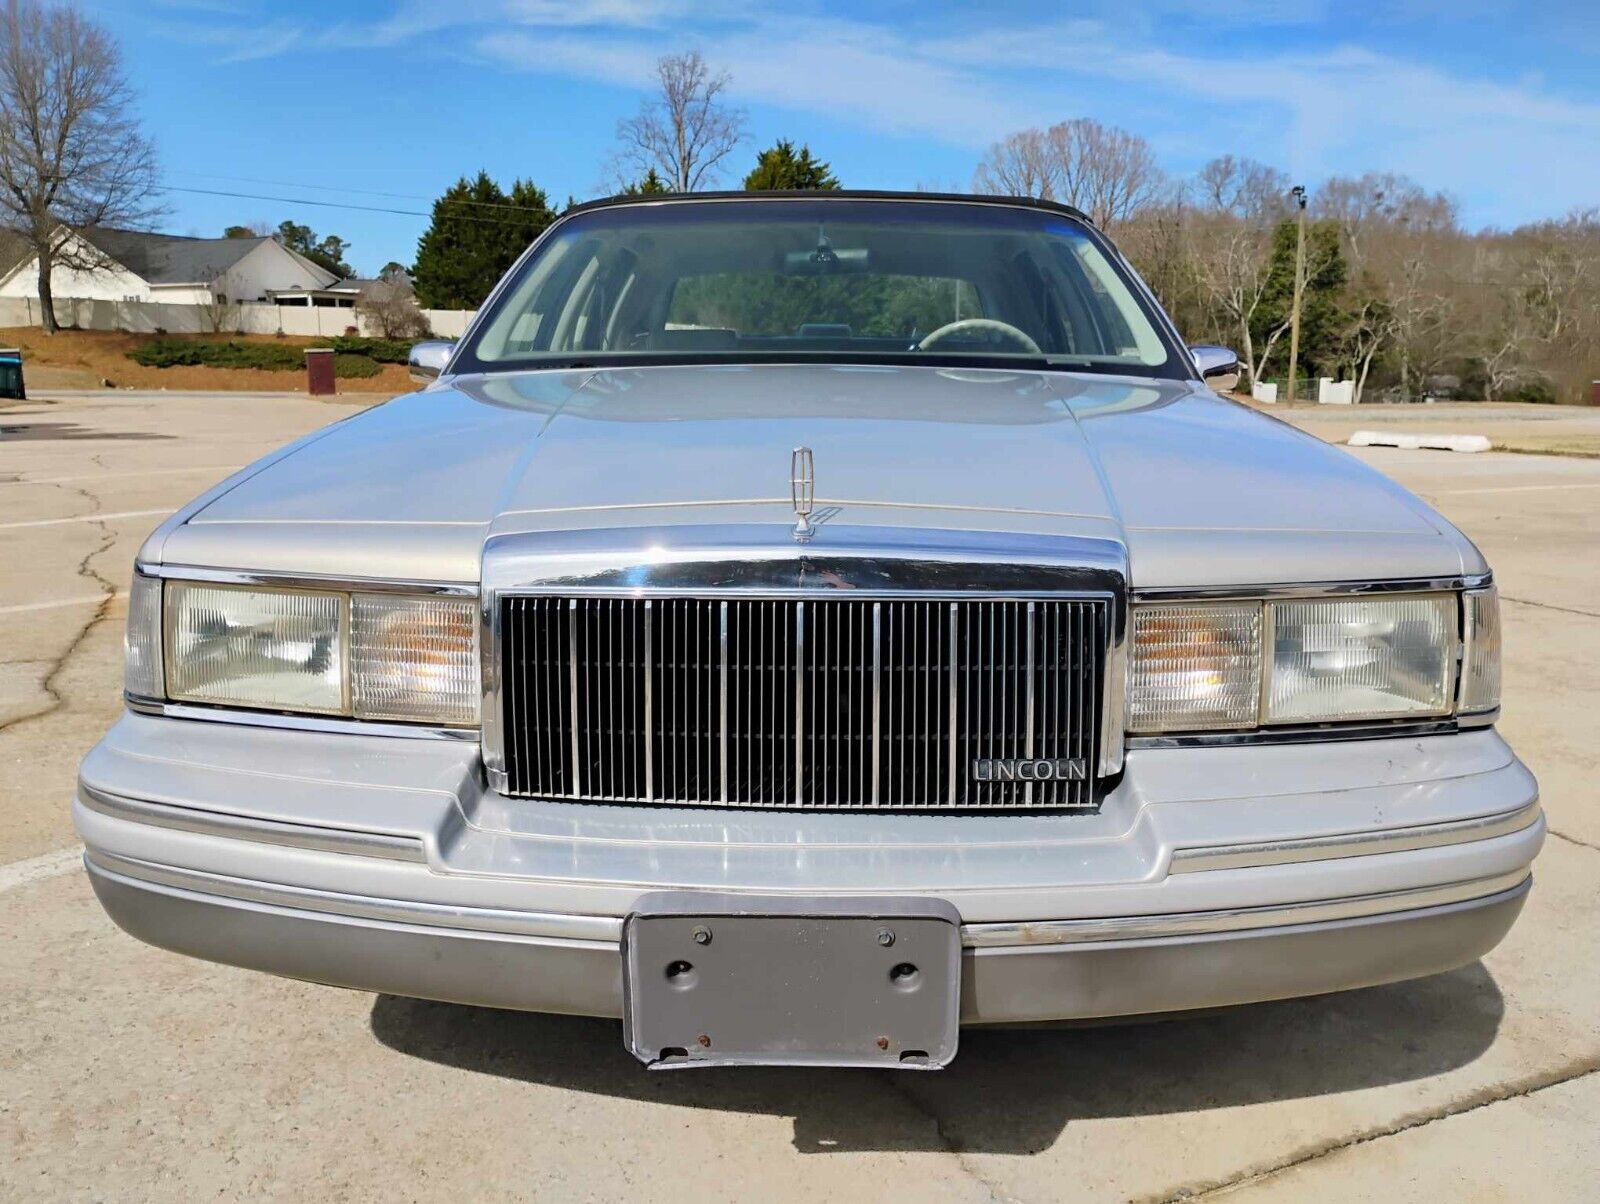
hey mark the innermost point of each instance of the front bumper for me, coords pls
(1210, 876)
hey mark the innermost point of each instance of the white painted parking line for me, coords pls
(120, 476)
(37, 869)
(84, 518)
(57, 604)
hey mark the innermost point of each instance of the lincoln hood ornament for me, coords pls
(802, 492)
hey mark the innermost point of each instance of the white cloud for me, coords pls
(1510, 146)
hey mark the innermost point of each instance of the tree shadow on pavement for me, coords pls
(1010, 1091)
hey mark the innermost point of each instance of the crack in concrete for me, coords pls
(951, 1146)
(1486, 1097)
(108, 591)
(1582, 844)
(1566, 610)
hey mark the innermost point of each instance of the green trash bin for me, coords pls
(11, 374)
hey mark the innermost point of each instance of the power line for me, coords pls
(400, 196)
(285, 200)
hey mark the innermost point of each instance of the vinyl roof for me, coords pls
(830, 194)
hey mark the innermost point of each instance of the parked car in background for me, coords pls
(800, 625)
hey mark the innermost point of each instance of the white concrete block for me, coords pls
(1409, 442)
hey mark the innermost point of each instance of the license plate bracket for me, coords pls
(768, 980)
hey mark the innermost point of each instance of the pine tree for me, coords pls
(781, 167)
(649, 186)
(477, 232)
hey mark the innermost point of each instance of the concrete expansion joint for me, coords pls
(1566, 610)
(1582, 844)
(1483, 1098)
(896, 1082)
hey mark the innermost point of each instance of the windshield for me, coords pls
(855, 280)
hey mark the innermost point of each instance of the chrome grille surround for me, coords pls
(815, 679)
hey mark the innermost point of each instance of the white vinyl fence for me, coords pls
(1332, 392)
(149, 317)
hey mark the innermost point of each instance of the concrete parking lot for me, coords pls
(130, 1073)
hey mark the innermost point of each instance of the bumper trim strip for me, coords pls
(241, 827)
(608, 929)
(1354, 844)
(500, 922)
(1206, 923)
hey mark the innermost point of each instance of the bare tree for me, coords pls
(216, 312)
(71, 155)
(1020, 164)
(389, 306)
(685, 131)
(1240, 203)
(1159, 241)
(1250, 191)
(1108, 173)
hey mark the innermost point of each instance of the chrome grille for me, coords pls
(782, 702)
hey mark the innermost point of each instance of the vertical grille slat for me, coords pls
(848, 704)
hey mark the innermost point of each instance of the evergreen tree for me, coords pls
(1323, 319)
(781, 167)
(649, 186)
(326, 252)
(477, 232)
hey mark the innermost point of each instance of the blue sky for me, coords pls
(383, 103)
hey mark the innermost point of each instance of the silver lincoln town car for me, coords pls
(800, 625)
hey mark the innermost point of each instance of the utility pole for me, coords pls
(1299, 194)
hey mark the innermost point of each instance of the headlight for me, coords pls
(389, 656)
(1208, 666)
(234, 646)
(1361, 658)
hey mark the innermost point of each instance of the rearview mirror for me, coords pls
(428, 360)
(826, 261)
(1218, 366)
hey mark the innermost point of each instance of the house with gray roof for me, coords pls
(132, 265)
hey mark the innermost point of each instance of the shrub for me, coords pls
(385, 351)
(171, 353)
(354, 365)
(353, 357)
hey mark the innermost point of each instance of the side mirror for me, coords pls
(1218, 366)
(428, 360)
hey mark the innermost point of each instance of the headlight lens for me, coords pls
(256, 648)
(1195, 665)
(1480, 664)
(390, 656)
(1214, 666)
(1361, 658)
(414, 658)
(142, 673)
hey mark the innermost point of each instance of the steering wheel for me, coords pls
(986, 325)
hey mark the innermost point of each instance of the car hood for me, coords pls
(1200, 490)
